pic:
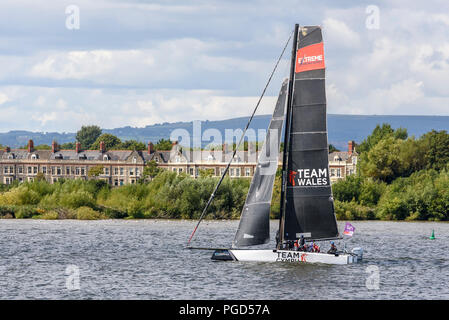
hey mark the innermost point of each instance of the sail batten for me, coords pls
(254, 227)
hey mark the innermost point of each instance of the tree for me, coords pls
(332, 149)
(68, 146)
(382, 162)
(379, 133)
(436, 146)
(163, 144)
(151, 170)
(132, 145)
(95, 171)
(110, 141)
(87, 135)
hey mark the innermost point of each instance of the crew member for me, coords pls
(333, 248)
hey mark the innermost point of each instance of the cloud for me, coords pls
(137, 63)
(340, 34)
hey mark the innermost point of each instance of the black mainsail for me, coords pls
(307, 207)
(254, 227)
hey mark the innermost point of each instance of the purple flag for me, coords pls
(349, 229)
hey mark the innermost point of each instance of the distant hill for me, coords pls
(342, 128)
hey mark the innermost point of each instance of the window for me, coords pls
(83, 171)
(354, 160)
(180, 170)
(222, 171)
(5, 170)
(231, 172)
(116, 171)
(20, 169)
(11, 169)
(332, 172)
(338, 172)
(29, 170)
(237, 172)
(134, 160)
(58, 171)
(174, 169)
(131, 171)
(67, 171)
(106, 171)
(52, 170)
(137, 172)
(191, 171)
(105, 157)
(122, 171)
(156, 159)
(33, 157)
(247, 172)
(77, 171)
(121, 182)
(44, 170)
(115, 182)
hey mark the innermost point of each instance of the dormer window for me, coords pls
(210, 157)
(156, 159)
(33, 156)
(11, 156)
(337, 158)
(105, 157)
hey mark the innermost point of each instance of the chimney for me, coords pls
(54, 147)
(251, 146)
(8, 149)
(77, 147)
(30, 146)
(150, 147)
(102, 147)
(351, 146)
(225, 148)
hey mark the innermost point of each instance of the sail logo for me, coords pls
(310, 58)
(308, 177)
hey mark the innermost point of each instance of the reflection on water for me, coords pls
(129, 259)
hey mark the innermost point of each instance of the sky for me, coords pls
(116, 63)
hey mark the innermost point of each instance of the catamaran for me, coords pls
(307, 206)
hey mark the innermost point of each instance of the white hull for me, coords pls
(292, 256)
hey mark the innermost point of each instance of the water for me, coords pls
(130, 259)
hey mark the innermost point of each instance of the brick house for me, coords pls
(122, 167)
(343, 163)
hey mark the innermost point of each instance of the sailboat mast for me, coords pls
(287, 136)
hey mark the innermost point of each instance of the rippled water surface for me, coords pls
(130, 259)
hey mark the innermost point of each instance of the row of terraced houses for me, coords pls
(126, 166)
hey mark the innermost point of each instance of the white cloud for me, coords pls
(339, 33)
(3, 98)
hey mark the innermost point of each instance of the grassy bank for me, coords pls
(168, 196)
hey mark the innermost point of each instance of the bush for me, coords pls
(353, 211)
(87, 213)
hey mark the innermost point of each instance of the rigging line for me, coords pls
(238, 145)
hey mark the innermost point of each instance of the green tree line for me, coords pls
(398, 178)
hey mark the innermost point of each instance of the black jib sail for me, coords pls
(309, 207)
(254, 227)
